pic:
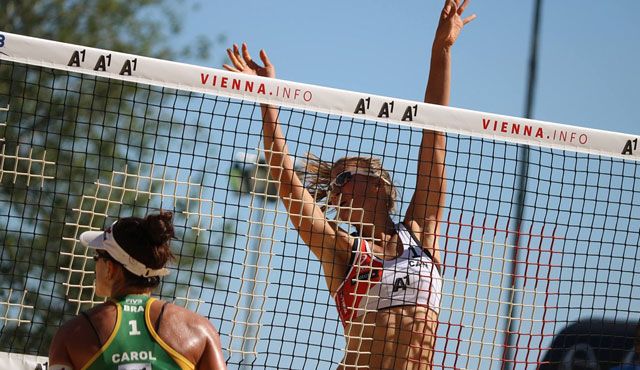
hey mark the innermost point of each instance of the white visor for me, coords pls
(105, 241)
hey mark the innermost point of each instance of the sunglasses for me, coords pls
(98, 256)
(346, 176)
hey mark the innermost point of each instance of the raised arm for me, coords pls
(425, 210)
(330, 245)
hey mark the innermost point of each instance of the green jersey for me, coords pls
(134, 343)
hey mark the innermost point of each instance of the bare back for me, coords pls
(190, 335)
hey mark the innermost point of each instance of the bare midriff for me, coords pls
(393, 338)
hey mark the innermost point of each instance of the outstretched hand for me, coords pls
(244, 64)
(451, 22)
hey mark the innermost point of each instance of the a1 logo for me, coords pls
(630, 147)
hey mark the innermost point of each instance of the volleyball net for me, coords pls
(541, 225)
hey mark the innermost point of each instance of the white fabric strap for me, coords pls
(104, 240)
(130, 263)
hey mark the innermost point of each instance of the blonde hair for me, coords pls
(317, 175)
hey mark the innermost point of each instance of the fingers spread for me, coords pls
(265, 58)
(469, 19)
(236, 54)
(247, 57)
(449, 8)
(234, 59)
(230, 68)
(462, 7)
(245, 51)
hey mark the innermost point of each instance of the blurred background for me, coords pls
(586, 59)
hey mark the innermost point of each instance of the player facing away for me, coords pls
(386, 277)
(132, 330)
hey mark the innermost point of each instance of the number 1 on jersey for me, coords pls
(134, 328)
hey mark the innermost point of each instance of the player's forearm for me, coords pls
(439, 84)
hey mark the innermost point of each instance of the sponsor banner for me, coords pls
(127, 67)
(15, 361)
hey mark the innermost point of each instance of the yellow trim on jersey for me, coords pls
(177, 357)
(111, 337)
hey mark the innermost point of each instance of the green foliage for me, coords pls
(89, 128)
(144, 27)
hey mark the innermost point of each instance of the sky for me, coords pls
(588, 52)
(588, 56)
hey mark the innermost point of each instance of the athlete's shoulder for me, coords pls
(76, 340)
(182, 319)
(177, 323)
(79, 323)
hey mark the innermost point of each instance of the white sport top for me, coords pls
(372, 283)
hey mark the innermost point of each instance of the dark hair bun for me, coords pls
(159, 227)
(146, 240)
